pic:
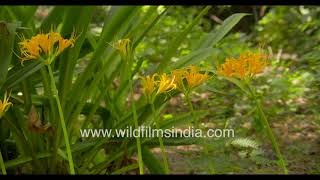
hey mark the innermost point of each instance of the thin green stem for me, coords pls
(3, 168)
(63, 125)
(197, 125)
(47, 92)
(268, 128)
(273, 139)
(194, 119)
(163, 151)
(136, 124)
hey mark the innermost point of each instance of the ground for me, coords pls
(298, 141)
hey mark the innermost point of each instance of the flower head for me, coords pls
(179, 75)
(149, 85)
(246, 65)
(192, 76)
(50, 45)
(166, 84)
(4, 105)
(123, 46)
(65, 43)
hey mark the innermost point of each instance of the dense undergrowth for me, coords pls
(66, 68)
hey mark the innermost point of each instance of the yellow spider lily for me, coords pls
(122, 45)
(149, 84)
(4, 105)
(166, 84)
(192, 75)
(179, 75)
(65, 43)
(247, 65)
(51, 45)
(194, 78)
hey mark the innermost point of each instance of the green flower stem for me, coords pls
(197, 125)
(47, 92)
(270, 134)
(163, 151)
(3, 168)
(136, 124)
(273, 139)
(63, 124)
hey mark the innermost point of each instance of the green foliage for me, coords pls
(294, 29)
(94, 82)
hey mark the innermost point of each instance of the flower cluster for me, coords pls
(4, 105)
(192, 75)
(246, 65)
(51, 45)
(157, 84)
(163, 83)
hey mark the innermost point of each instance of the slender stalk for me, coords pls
(197, 125)
(136, 124)
(163, 151)
(268, 128)
(47, 92)
(3, 168)
(273, 139)
(63, 125)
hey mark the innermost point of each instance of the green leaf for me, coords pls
(53, 19)
(257, 122)
(126, 169)
(96, 70)
(192, 58)
(238, 83)
(77, 19)
(213, 89)
(216, 35)
(22, 13)
(115, 21)
(153, 164)
(7, 36)
(17, 74)
(24, 160)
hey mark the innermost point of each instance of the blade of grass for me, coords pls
(113, 22)
(20, 74)
(217, 34)
(79, 23)
(125, 169)
(151, 162)
(53, 19)
(7, 36)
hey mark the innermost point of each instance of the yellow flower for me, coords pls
(51, 45)
(149, 84)
(122, 45)
(166, 84)
(179, 75)
(65, 43)
(226, 68)
(4, 105)
(246, 65)
(29, 49)
(194, 77)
